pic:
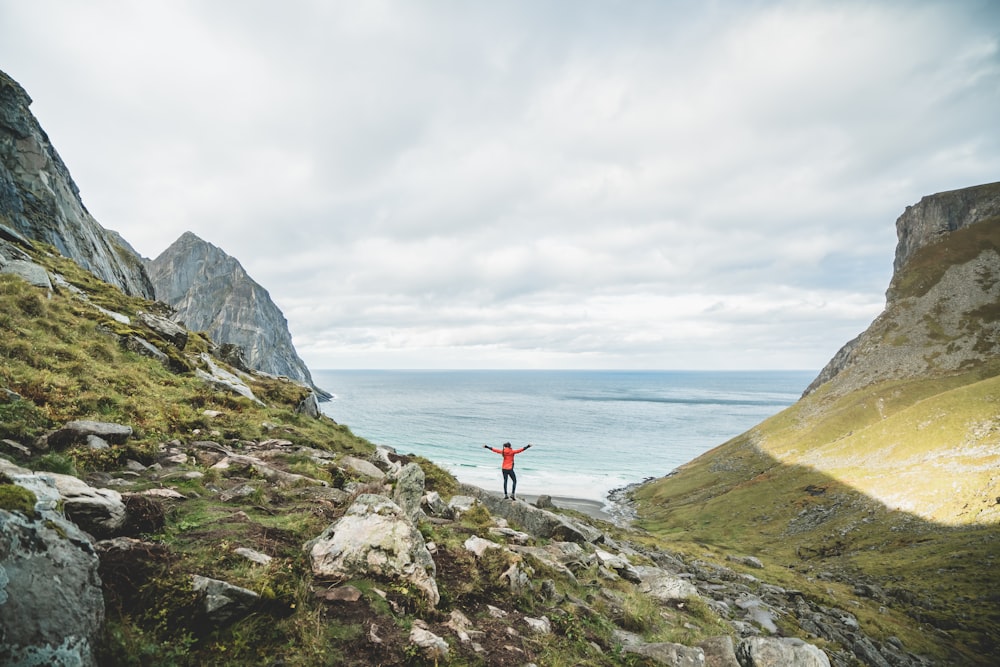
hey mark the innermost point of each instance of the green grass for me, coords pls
(819, 486)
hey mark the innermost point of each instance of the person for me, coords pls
(507, 467)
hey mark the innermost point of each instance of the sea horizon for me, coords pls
(592, 431)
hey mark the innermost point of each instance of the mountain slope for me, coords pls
(212, 292)
(40, 201)
(942, 311)
(884, 476)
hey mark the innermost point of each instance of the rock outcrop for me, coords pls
(51, 604)
(941, 306)
(40, 201)
(375, 538)
(212, 292)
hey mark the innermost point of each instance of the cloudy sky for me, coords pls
(577, 184)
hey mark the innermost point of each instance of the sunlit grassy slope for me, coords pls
(894, 484)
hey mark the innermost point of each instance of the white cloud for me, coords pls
(652, 184)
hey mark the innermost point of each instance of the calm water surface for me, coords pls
(592, 431)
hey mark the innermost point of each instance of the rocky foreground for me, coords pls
(72, 544)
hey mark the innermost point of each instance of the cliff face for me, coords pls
(942, 311)
(40, 201)
(212, 292)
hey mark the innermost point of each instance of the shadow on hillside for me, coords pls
(742, 500)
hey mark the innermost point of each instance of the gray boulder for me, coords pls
(166, 329)
(375, 537)
(76, 432)
(143, 347)
(33, 274)
(432, 647)
(51, 604)
(223, 379)
(719, 652)
(779, 652)
(410, 490)
(434, 506)
(100, 512)
(668, 653)
(222, 602)
(362, 467)
(538, 522)
(664, 586)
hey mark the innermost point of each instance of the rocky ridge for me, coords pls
(40, 201)
(927, 321)
(212, 292)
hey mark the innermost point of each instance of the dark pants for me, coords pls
(513, 479)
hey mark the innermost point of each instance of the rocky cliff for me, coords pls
(212, 292)
(881, 481)
(40, 201)
(941, 313)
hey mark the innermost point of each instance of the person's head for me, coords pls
(507, 445)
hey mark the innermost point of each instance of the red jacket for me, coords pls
(508, 456)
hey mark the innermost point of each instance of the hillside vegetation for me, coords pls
(62, 359)
(885, 496)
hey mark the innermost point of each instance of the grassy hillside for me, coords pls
(61, 360)
(886, 495)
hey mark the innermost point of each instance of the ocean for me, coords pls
(591, 431)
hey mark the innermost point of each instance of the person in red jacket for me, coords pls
(507, 467)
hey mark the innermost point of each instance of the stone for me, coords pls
(376, 538)
(719, 652)
(97, 442)
(478, 545)
(619, 563)
(538, 522)
(240, 463)
(172, 332)
(143, 347)
(663, 585)
(460, 505)
(339, 594)
(540, 626)
(51, 603)
(758, 612)
(15, 447)
(749, 561)
(362, 467)
(253, 556)
(512, 536)
(76, 432)
(434, 506)
(100, 512)
(779, 652)
(165, 493)
(33, 274)
(432, 647)
(409, 490)
(222, 379)
(517, 579)
(309, 406)
(222, 602)
(668, 653)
